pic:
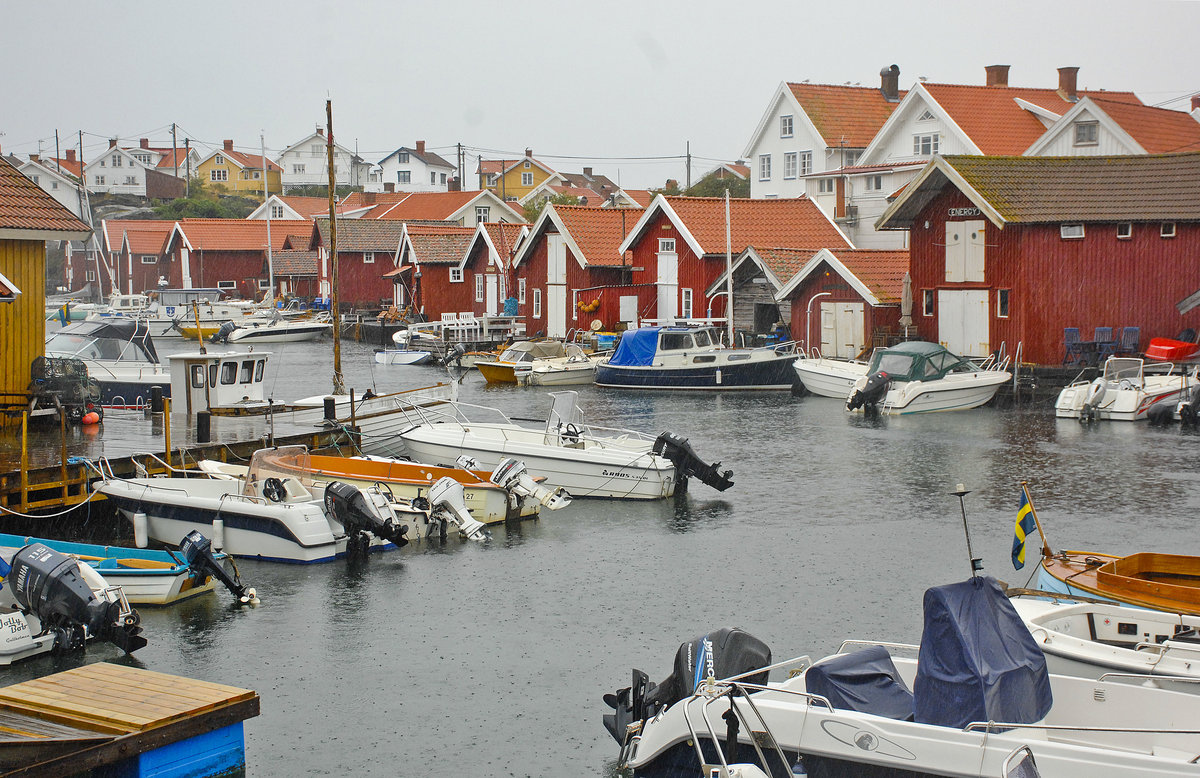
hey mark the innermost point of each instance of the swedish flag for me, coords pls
(1025, 524)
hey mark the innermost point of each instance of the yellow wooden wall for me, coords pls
(23, 322)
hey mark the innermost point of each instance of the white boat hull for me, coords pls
(1124, 404)
(402, 357)
(286, 332)
(953, 393)
(829, 377)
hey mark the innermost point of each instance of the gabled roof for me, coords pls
(113, 230)
(423, 206)
(296, 207)
(876, 274)
(778, 264)
(146, 241)
(640, 196)
(294, 262)
(243, 160)
(594, 235)
(1031, 190)
(320, 134)
(740, 172)
(499, 240)
(234, 234)
(430, 245)
(429, 158)
(844, 115)
(29, 213)
(776, 222)
(360, 235)
(596, 182)
(8, 290)
(71, 166)
(502, 166)
(1156, 130)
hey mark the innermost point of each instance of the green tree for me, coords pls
(533, 208)
(711, 186)
(206, 202)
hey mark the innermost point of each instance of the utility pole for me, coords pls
(689, 164)
(187, 155)
(339, 385)
(266, 202)
(85, 202)
(174, 150)
(461, 169)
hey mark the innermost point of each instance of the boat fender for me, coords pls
(141, 537)
(274, 490)
(218, 534)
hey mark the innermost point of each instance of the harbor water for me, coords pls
(490, 659)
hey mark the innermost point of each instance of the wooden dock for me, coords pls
(125, 720)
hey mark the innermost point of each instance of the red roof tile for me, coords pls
(312, 207)
(113, 230)
(249, 161)
(992, 119)
(594, 198)
(880, 271)
(294, 262)
(147, 241)
(1158, 130)
(784, 262)
(240, 234)
(439, 245)
(640, 196)
(598, 232)
(849, 115)
(783, 222)
(67, 166)
(25, 206)
(504, 237)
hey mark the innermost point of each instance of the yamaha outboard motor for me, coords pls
(348, 506)
(222, 335)
(514, 476)
(871, 392)
(688, 463)
(197, 550)
(52, 585)
(725, 653)
(449, 504)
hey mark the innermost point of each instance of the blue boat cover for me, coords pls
(978, 661)
(636, 348)
(865, 681)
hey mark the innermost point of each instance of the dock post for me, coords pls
(156, 399)
(330, 409)
(24, 459)
(203, 427)
(62, 459)
(167, 426)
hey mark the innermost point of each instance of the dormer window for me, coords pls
(785, 126)
(1087, 133)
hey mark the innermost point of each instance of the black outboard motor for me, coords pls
(871, 393)
(350, 508)
(197, 550)
(52, 586)
(722, 654)
(1162, 412)
(687, 463)
(1189, 409)
(222, 335)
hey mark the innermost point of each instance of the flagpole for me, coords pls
(1046, 552)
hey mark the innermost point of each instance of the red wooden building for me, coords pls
(487, 265)
(141, 257)
(365, 255)
(230, 254)
(678, 246)
(428, 270)
(1009, 250)
(571, 271)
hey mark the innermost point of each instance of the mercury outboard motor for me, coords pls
(449, 504)
(688, 463)
(722, 654)
(222, 335)
(54, 586)
(348, 506)
(871, 392)
(514, 476)
(197, 550)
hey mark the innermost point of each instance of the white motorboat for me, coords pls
(119, 354)
(982, 703)
(1125, 391)
(402, 356)
(165, 310)
(920, 377)
(827, 377)
(275, 330)
(1093, 639)
(586, 461)
(572, 369)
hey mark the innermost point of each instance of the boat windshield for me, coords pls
(1118, 368)
(65, 344)
(673, 341)
(703, 338)
(892, 363)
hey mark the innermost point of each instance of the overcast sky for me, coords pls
(600, 84)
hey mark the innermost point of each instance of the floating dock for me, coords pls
(122, 722)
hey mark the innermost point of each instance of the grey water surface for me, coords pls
(490, 659)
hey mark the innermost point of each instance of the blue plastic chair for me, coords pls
(1131, 339)
(1072, 350)
(1106, 345)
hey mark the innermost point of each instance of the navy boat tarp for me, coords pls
(636, 348)
(865, 681)
(978, 661)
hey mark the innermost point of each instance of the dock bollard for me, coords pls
(156, 399)
(330, 409)
(203, 426)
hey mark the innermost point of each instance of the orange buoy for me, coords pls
(90, 418)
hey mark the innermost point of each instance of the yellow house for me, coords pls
(511, 179)
(28, 218)
(239, 172)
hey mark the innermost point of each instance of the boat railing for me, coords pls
(1000, 726)
(857, 644)
(1144, 677)
(144, 471)
(1164, 648)
(457, 412)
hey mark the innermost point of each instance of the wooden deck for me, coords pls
(101, 713)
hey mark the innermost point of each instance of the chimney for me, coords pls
(369, 198)
(529, 152)
(229, 145)
(144, 143)
(1195, 102)
(997, 75)
(583, 200)
(889, 83)
(454, 185)
(420, 148)
(34, 157)
(70, 155)
(587, 172)
(321, 130)
(672, 184)
(1067, 78)
(112, 143)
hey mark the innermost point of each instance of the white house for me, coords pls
(58, 184)
(165, 159)
(411, 170)
(306, 163)
(115, 171)
(1097, 126)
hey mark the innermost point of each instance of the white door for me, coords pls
(964, 251)
(668, 286)
(842, 329)
(963, 321)
(492, 294)
(556, 311)
(629, 310)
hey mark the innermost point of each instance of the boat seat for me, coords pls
(865, 681)
(295, 491)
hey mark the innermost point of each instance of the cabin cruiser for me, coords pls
(1125, 391)
(585, 460)
(119, 354)
(977, 701)
(920, 377)
(693, 357)
(573, 368)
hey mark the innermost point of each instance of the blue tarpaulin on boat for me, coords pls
(636, 348)
(978, 661)
(865, 681)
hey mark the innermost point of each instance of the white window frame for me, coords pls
(806, 164)
(826, 186)
(227, 284)
(666, 245)
(926, 144)
(276, 211)
(264, 283)
(764, 167)
(218, 160)
(787, 127)
(521, 291)
(480, 287)
(537, 303)
(89, 275)
(98, 180)
(492, 179)
(527, 165)
(1167, 230)
(928, 300)
(131, 181)
(527, 179)
(218, 175)
(1003, 303)
(297, 169)
(149, 259)
(873, 183)
(926, 116)
(402, 158)
(685, 303)
(1071, 231)
(1086, 133)
(482, 212)
(116, 160)
(368, 257)
(789, 165)
(456, 275)
(403, 176)
(1124, 231)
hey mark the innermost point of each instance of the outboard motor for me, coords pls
(197, 550)
(1189, 409)
(1162, 412)
(871, 392)
(1092, 399)
(466, 463)
(56, 588)
(348, 506)
(222, 335)
(688, 463)
(721, 654)
(514, 476)
(446, 496)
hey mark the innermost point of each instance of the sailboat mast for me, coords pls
(266, 202)
(728, 272)
(339, 386)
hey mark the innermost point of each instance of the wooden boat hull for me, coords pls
(1168, 582)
